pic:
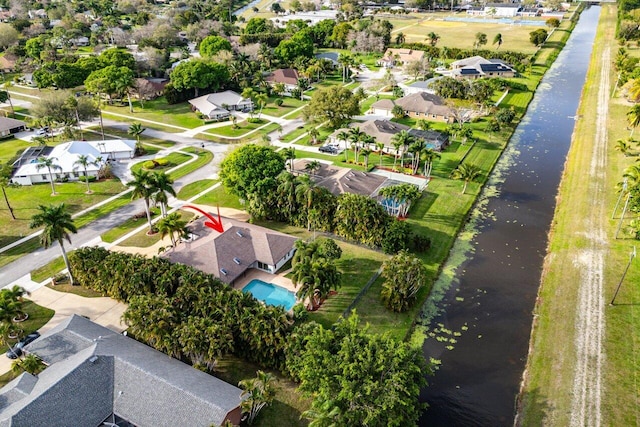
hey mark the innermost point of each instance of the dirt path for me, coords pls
(590, 321)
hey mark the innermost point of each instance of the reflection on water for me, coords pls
(482, 306)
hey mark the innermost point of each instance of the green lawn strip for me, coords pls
(16, 252)
(158, 110)
(249, 136)
(191, 189)
(120, 230)
(125, 135)
(219, 197)
(150, 125)
(76, 290)
(38, 317)
(293, 134)
(204, 158)
(48, 270)
(323, 133)
(142, 239)
(288, 403)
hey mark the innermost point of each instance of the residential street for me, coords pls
(90, 234)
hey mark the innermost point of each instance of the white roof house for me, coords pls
(311, 17)
(66, 155)
(218, 105)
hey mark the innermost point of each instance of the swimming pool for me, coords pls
(271, 294)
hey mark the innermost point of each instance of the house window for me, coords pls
(44, 177)
(76, 174)
(263, 266)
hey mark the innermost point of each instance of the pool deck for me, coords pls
(276, 279)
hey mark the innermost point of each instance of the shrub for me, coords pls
(162, 162)
(279, 102)
(149, 164)
(254, 120)
(82, 178)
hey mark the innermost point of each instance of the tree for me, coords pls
(623, 146)
(57, 223)
(344, 136)
(466, 173)
(259, 392)
(404, 138)
(552, 23)
(136, 129)
(335, 104)
(261, 101)
(361, 379)
(162, 185)
(84, 162)
(110, 80)
(538, 36)
(481, 40)
(8, 36)
(299, 45)
(250, 169)
(498, 40)
(397, 111)
(315, 271)
(5, 182)
(142, 185)
(366, 152)
(199, 74)
(404, 276)
(633, 117)
(428, 156)
(211, 45)
(50, 164)
(4, 97)
(289, 154)
(433, 38)
(30, 363)
(171, 224)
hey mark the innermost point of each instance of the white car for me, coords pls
(41, 131)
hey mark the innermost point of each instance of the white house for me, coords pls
(220, 104)
(312, 17)
(65, 157)
(502, 10)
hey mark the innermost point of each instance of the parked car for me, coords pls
(41, 131)
(16, 351)
(330, 149)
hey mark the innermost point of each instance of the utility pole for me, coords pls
(624, 273)
(624, 211)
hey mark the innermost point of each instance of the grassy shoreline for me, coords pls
(547, 392)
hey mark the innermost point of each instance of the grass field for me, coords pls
(547, 394)
(159, 111)
(141, 239)
(190, 190)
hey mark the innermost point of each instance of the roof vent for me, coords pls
(93, 359)
(223, 271)
(236, 260)
(239, 233)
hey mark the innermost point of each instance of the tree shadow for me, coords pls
(532, 408)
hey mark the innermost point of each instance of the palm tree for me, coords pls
(324, 416)
(5, 182)
(423, 124)
(306, 192)
(416, 148)
(380, 147)
(136, 130)
(400, 38)
(171, 224)
(5, 96)
(289, 155)
(366, 152)
(49, 163)
(404, 138)
(29, 363)
(16, 295)
(355, 136)
(623, 146)
(83, 160)
(261, 101)
(142, 185)
(498, 40)
(57, 224)
(313, 134)
(633, 117)
(428, 156)
(259, 392)
(162, 184)
(433, 38)
(312, 167)
(467, 173)
(344, 136)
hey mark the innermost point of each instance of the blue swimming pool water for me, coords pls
(271, 294)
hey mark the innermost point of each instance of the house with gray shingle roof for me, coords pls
(420, 105)
(220, 104)
(228, 255)
(96, 376)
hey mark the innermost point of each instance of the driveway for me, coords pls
(104, 311)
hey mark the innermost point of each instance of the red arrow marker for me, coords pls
(214, 224)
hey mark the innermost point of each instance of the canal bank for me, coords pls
(595, 375)
(480, 328)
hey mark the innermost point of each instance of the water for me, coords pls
(483, 319)
(271, 294)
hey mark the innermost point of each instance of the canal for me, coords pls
(482, 318)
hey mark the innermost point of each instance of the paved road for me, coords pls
(90, 234)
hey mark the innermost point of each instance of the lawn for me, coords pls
(238, 130)
(25, 200)
(288, 403)
(173, 159)
(191, 189)
(130, 224)
(141, 239)
(219, 197)
(290, 104)
(158, 110)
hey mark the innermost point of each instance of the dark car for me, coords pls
(328, 149)
(16, 351)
